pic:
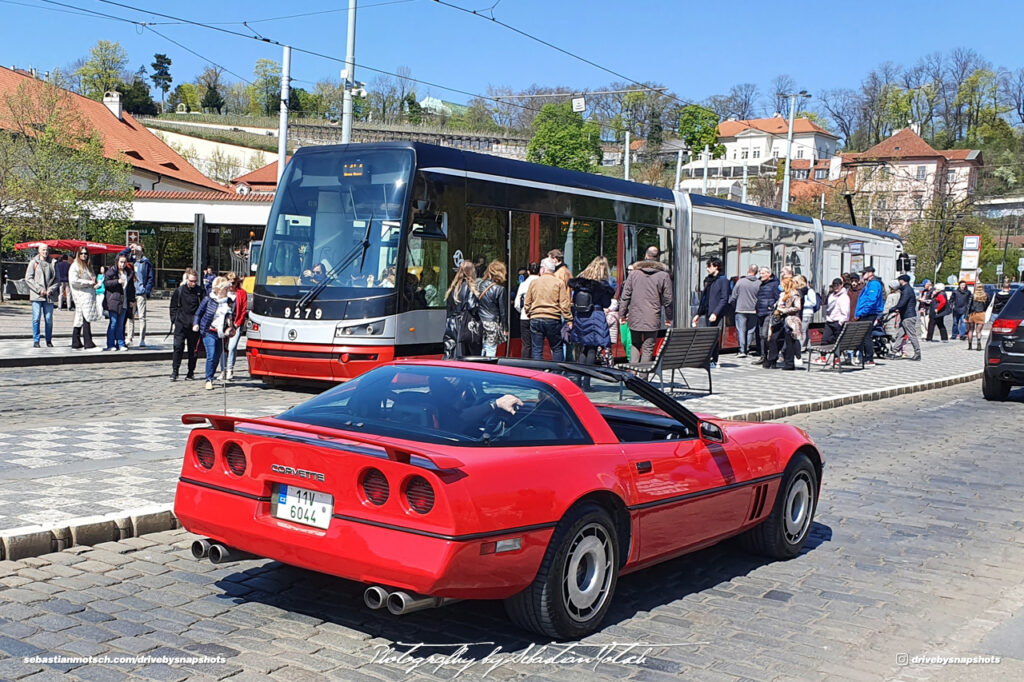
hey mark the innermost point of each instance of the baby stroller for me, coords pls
(882, 340)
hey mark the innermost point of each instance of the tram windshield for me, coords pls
(336, 222)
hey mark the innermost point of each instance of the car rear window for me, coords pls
(445, 405)
(1014, 308)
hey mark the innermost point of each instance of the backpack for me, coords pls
(582, 303)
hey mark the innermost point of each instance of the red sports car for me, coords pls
(534, 482)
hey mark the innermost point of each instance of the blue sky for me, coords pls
(695, 48)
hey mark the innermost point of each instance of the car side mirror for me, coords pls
(711, 432)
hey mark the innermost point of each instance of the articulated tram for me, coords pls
(364, 239)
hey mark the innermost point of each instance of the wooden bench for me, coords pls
(682, 348)
(851, 338)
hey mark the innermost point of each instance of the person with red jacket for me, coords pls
(241, 299)
(937, 312)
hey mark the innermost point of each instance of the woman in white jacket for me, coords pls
(83, 291)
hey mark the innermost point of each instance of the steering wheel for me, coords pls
(496, 424)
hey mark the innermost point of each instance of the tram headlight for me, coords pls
(371, 329)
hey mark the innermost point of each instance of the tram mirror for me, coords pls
(427, 227)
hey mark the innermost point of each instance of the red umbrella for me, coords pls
(71, 245)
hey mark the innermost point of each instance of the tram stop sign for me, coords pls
(579, 104)
(1020, 265)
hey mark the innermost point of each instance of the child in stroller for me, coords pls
(883, 335)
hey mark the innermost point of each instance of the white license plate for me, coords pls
(308, 507)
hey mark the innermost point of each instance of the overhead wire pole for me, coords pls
(282, 125)
(789, 147)
(350, 75)
(626, 157)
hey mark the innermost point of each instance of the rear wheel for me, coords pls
(994, 389)
(574, 586)
(783, 534)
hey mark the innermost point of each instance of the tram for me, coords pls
(364, 239)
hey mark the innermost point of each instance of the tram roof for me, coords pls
(865, 230)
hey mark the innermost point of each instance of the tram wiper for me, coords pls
(359, 250)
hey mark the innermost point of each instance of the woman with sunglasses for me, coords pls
(83, 292)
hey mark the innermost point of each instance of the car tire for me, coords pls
(994, 389)
(585, 548)
(783, 534)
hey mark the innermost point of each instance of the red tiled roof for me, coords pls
(141, 148)
(774, 126)
(261, 176)
(805, 164)
(203, 196)
(908, 144)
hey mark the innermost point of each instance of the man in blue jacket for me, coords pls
(145, 279)
(870, 304)
(714, 303)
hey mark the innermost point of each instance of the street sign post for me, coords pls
(579, 104)
(999, 270)
(131, 237)
(1020, 265)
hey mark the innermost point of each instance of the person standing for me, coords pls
(41, 280)
(767, 297)
(1000, 298)
(937, 313)
(976, 314)
(924, 303)
(184, 303)
(714, 302)
(870, 304)
(463, 334)
(64, 290)
(493, 307)
(548, 306)
(786, 328)
(216, 321)
(83, 289)
(240, 303)
(809, 303)
(891, 325)
(906, 308)
(208, 277)
(145, 279)
(645, 295)
(744, 301)
(591, 294)
(119, 283)
(959, 303)
(525, 335)
(561, 269)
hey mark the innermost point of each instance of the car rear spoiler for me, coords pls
(397, 453)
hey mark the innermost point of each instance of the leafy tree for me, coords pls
(698, 127)
(161, 76)
(212, 99)
(135, 97)
(564, 139)
(413, 110)
(266, 88)
(186, 94)
(102, 71)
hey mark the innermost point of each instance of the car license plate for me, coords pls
(308, 507)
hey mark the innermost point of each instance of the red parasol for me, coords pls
(71, 245)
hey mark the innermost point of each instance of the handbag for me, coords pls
(794, 325)
(471, 332)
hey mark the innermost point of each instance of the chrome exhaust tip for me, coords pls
(376, 597)
(401, 603)
(201, 549)
(222, 554)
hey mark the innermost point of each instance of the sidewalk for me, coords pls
(121, 474)
(16, 321)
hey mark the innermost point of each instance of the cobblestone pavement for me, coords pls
(916, 552)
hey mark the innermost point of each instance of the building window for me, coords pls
(881, 203)
(745, 154)
(757, 153)
(800, 153)
(950, 176)
(921, 172)
(918, 202)
(800, 175)
(820, 174)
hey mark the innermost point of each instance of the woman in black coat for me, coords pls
(591, 294)
(463, 334)
(118, 297)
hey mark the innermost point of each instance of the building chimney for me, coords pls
(916, 127)
(112, 100)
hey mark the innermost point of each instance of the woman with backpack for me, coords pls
(938, 309)
(591, 293)
(463, 334)
(216, 320)
(493, 308)
(976, 314)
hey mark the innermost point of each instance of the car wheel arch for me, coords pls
(616, 508)
(812, 453)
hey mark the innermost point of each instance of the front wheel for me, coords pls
(574, 586)
(994, 389)
(783, 534)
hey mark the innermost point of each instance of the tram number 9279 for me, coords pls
(303, 314)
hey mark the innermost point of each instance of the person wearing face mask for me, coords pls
(119, 283)
(184, 303)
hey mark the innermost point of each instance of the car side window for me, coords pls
(632, 417)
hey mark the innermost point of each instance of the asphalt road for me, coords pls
(916, 552)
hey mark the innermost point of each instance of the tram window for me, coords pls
(705, 246)
(655, 236)
(552, 234)
(586, 237)
(798, 258)
(487, 230)
(426, 274)
(754, 253)
(610, 249)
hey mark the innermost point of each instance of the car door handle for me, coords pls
(643, 467)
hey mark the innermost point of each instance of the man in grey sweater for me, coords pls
(744, 301)
(41, 279)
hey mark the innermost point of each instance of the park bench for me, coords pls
(851, 338)
(682, 348)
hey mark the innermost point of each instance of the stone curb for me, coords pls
(30, 541)
(84, 358)
(780, 411)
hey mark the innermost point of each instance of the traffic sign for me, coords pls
(131, 237)
(1020, 265)
(972, 242)
(999, 270)
(579, 104)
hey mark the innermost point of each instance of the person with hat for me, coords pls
(937, 312)
(870, 304)
(924, 302)
(906, 308)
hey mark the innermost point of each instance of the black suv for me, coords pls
(1004, 355)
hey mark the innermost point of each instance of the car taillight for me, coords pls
(204, 452)
(375, 486)
(235, 458)
(419, 494)
(1005, 326)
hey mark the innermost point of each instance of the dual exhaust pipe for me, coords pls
(401, 602)
(218, 553)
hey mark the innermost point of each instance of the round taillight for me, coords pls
(235, 458)
(419, 494)
(375, 486)
(204, 452)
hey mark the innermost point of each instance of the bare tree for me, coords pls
(743, 99)
(843, 107)
(782, 86)
(1011, 85)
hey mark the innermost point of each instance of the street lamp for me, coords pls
(789, 145)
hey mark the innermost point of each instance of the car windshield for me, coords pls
(446, 405)
(327, 205)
